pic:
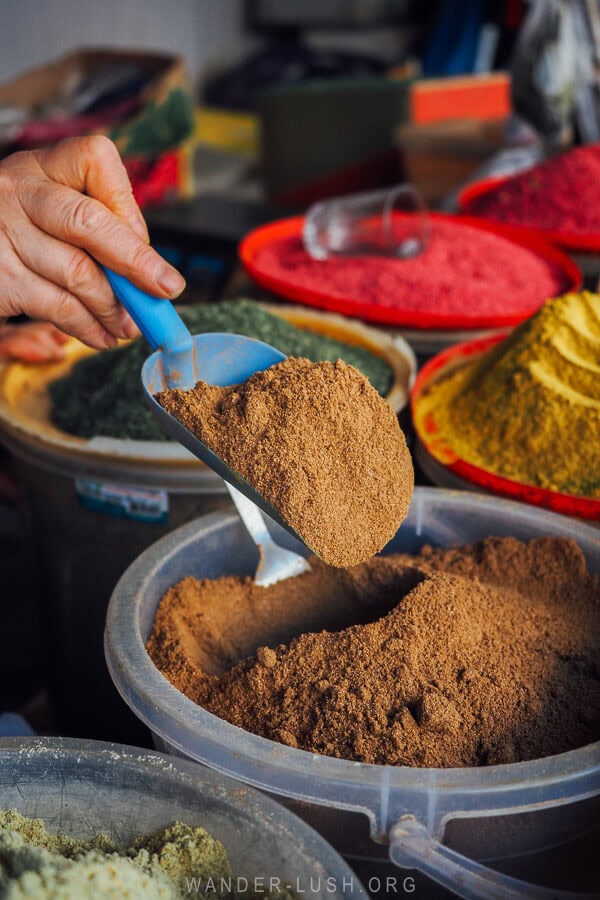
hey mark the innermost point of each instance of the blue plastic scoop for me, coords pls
(179, 361)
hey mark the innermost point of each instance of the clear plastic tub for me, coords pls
(435, 820)
(81, 788)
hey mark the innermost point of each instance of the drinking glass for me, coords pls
(388, 222)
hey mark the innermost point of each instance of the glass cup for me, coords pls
(389, 222)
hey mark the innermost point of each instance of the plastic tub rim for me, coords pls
(485, 786)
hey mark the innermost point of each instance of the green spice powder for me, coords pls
(102, 395)
(38, 865)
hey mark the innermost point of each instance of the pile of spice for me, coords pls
(529, 409)
(549, 196)
(37, 864)
(40, 865)
(102, 394)
(468, 656)
(464, 272)
(318, 442)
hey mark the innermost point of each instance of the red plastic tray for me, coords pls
(429, 435)
(588, 243)
(266, 234)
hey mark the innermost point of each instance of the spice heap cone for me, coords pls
(530, 408)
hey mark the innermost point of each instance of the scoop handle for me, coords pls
(157, 319)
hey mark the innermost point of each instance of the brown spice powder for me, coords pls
(318, 442)
(455, 657)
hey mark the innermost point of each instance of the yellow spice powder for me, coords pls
(529, 409)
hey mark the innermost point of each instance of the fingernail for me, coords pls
(170, 281)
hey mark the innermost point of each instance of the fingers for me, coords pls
(86, 223)
(75, 271)
(29, 293)
(62, 210)
(92, 165)
(58, 337)
(32, 342)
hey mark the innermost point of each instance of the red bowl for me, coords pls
(587, 243)
(265, 235)
(435, 444)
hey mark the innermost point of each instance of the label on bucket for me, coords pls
(125, 502)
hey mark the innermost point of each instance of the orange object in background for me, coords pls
(480, 97)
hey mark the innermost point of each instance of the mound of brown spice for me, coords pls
(470, 656)
(318, 442)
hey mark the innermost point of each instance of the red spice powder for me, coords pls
(561, 194)
(464, 272)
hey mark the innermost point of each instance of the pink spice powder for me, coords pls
(464, 272)
(557, 195)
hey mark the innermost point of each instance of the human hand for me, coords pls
(62, 209)
(32, 342)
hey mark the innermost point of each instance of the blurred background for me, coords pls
(250, 107)
(281, 104)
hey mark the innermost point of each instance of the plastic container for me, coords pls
(81, 788)
(94, 505)
(435, 820)
(90, 508)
